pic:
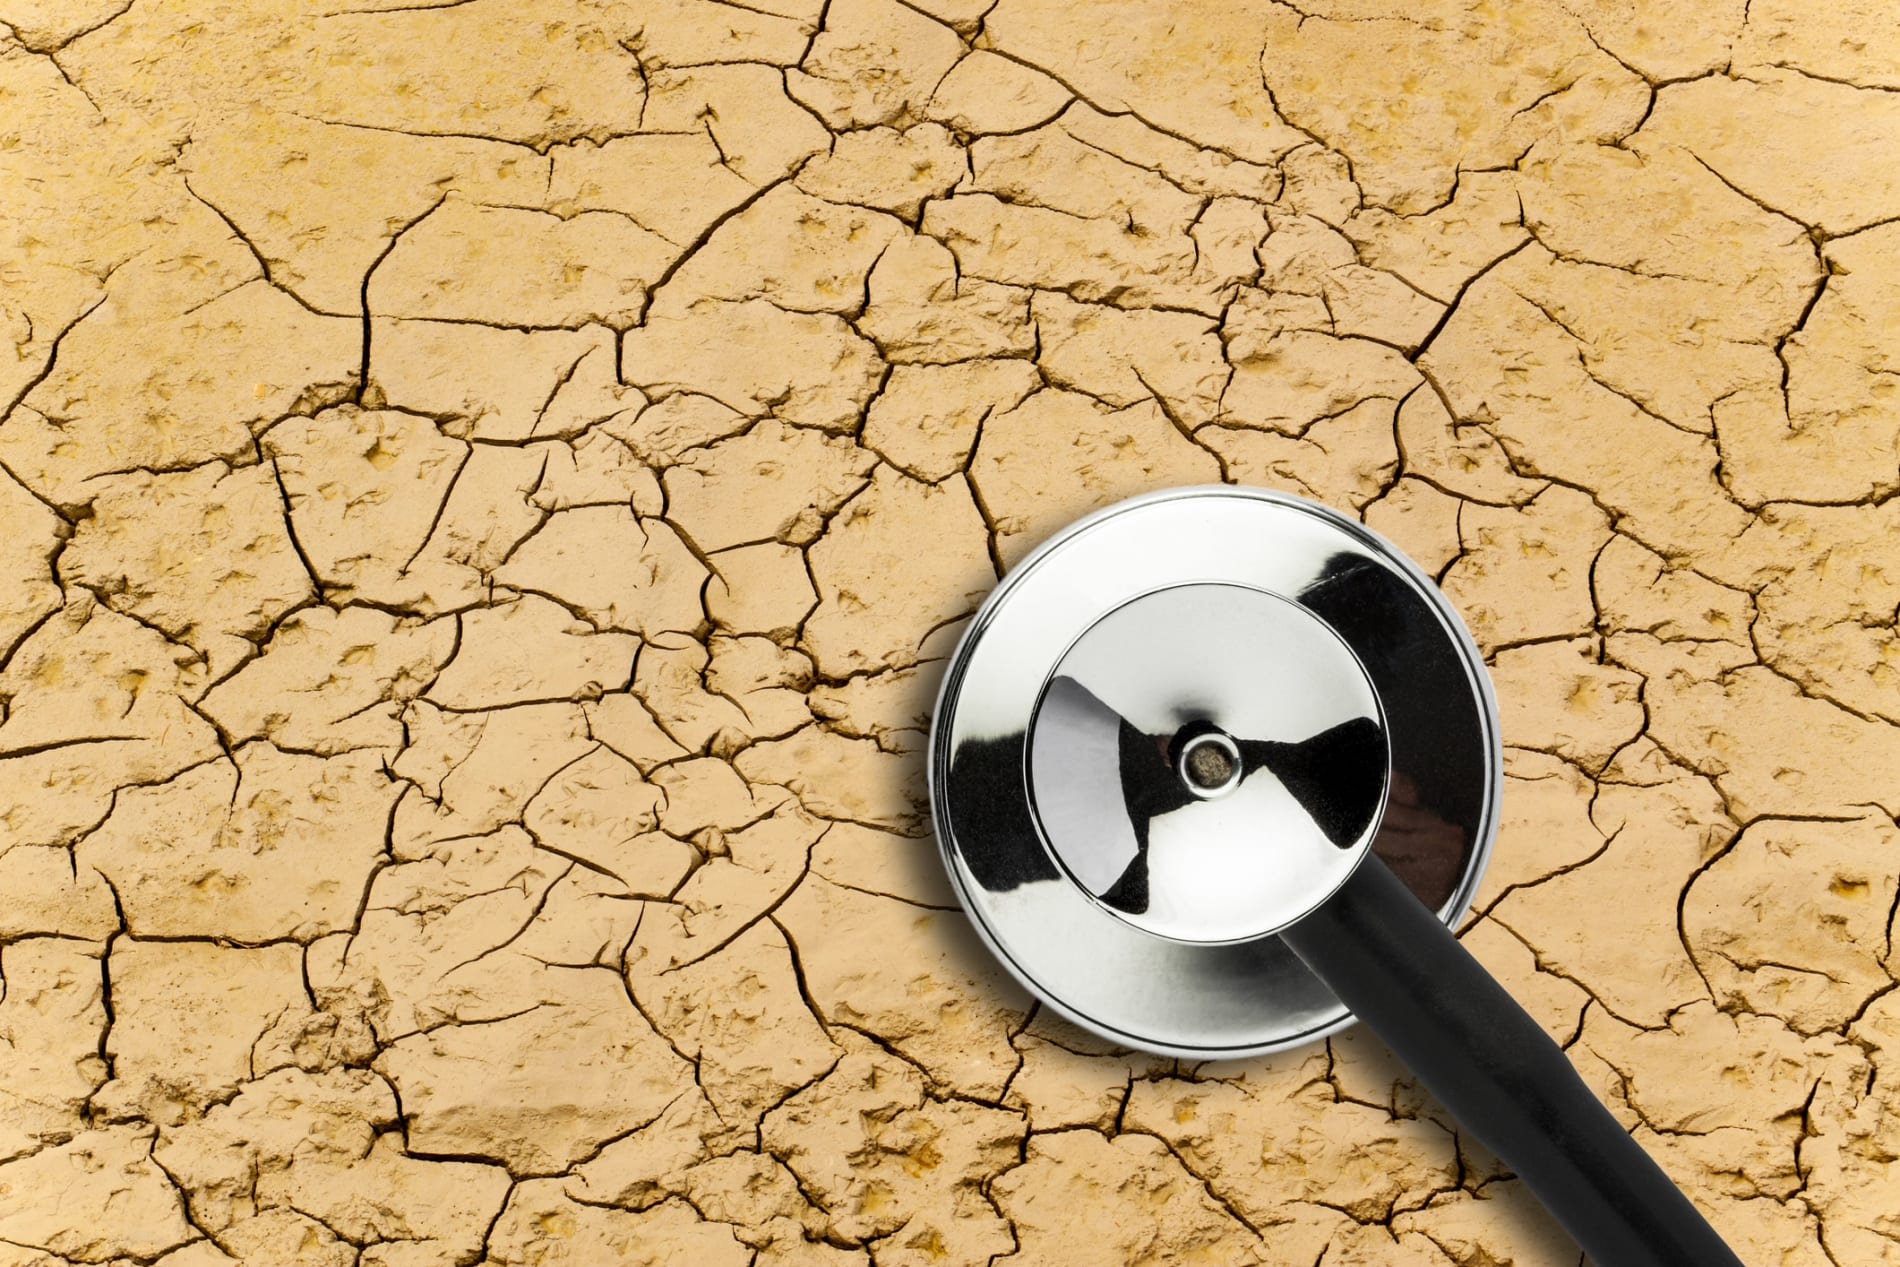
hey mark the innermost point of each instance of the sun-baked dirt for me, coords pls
(486, 488)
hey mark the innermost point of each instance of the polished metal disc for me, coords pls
(1189, 782)
(1174, 730)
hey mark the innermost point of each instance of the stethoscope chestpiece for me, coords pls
(1175, 730)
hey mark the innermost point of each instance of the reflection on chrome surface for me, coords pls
(1440, 776)
(1336, 777)
(1261, 696)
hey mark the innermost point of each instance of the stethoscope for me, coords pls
(1214, 772)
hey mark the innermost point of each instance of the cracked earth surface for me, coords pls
(486, 490)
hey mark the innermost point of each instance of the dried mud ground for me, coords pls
(489, 486)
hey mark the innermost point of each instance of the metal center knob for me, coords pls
(1208, 762)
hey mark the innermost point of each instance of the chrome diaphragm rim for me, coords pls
(1208, 1000)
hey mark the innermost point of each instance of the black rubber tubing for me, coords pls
(1406, 977)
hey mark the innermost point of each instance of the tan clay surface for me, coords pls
(487, 488)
